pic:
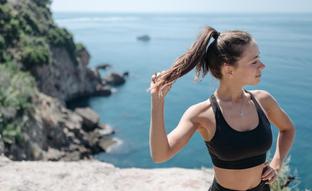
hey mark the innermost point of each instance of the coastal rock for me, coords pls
(114, 79)
(144, 38)
(90, 118)
(102, 90)
(63, 79)
(1, 145)
(103, 66)
(4, 160)
(53, 154)
(43, 128)
(36, 151)
(72, 156)
(105, 143)
(125, 74)
(84, 56)
(53, 132)
(106, 129)
(99, 134)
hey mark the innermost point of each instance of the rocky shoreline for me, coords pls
(35, 123)
(92, 175)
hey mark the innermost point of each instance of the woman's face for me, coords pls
(249, 67)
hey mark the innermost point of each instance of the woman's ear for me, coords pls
(227, 70)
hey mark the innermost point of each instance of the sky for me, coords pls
(183, 6)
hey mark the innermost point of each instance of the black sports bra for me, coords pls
(232, 149)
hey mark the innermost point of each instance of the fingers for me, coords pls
(155, 75)
(165, 88)
(271, 179)
(269, 174)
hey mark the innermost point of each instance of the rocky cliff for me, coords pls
(41, 69)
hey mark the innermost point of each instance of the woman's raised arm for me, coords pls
(163, 146)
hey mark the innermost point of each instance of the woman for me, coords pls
(234, 123)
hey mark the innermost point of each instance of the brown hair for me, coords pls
(226, 47)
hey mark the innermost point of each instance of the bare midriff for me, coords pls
(239, 179)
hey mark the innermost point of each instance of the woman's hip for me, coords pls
(262, 186)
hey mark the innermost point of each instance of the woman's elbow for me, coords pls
(159, 159)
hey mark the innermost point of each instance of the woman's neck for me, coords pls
(230, 94)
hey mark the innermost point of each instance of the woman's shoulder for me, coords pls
(262, 94)
(202, 106)
(264, 97)
(203, 112)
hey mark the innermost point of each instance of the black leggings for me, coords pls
(215, 186)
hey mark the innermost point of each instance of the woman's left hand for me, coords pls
(269, 173)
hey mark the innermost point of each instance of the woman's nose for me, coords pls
(262, 65)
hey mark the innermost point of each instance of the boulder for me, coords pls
(106, 142)
(90, 118)
(1, 146)
(125, 74)
(53, 154)
(103, 66)
(114, 79)
(144, 38)
(106, 129)
(102, 90)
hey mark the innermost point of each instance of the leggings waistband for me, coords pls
(260, 187)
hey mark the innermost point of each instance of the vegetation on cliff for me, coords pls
(29, 42)
(16, 91)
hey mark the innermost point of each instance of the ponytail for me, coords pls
(194, 57)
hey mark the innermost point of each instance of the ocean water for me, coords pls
(285, 45)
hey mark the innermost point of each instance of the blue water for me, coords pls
(285, 45)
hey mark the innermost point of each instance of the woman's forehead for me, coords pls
(250, 53)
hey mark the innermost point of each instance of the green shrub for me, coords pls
(29, 22)
(10, 26)
(11, 131)
(2, 43)
(10, 30)
(79, 48)
(16, 88)
(60, 37)
(2, 48)
(285, 180)
(5, 13)
(35, 53)
(42, 2)
(3, 1)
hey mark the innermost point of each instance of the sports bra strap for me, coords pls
(216, 108)
(253, 99)
(214, 103)
(262, 114)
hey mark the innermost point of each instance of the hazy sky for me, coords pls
(206, 6)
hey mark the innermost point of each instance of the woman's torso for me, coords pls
(237, 179)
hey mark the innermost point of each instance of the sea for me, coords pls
(285, 43)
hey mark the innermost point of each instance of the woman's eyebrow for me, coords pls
(257, 56)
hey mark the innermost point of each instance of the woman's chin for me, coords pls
(258, 79)
(255, 82)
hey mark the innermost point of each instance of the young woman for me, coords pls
(234, 122)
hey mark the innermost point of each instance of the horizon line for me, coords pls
(178, 12)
